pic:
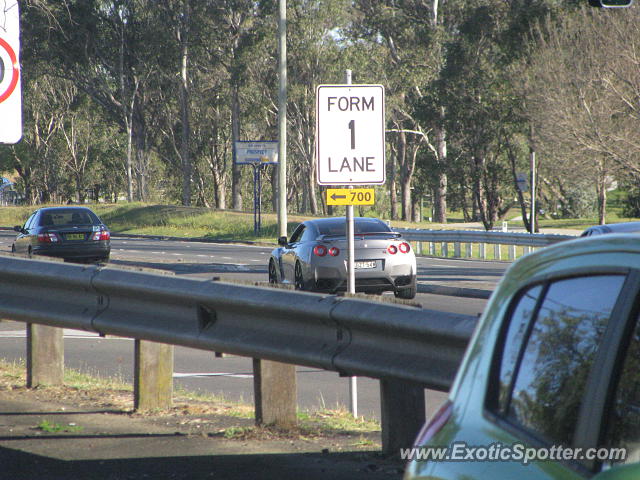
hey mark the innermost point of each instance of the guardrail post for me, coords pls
(45, 355)
(432, 249)
(456, 250)
(445, 250)
(497, 254)
(402, 413)
(482, 251)
(469, 249)
(512, 252)
(526, 249)
(153, 376)
(274, 390)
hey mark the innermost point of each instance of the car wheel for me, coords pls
(273, 276)
(407, 293)
(299, 280)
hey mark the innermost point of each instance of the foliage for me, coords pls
(126, 101)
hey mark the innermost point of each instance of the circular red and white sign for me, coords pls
(13, 72)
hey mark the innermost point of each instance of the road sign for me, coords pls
(350, 196)
(522, 182)
(255, 153)
(10, 96)
(350, 130)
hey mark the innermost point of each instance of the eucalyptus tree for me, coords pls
(107, 50)
(585, 98)
(318, 53)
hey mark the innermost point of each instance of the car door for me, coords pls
(22, 240)
(289, 254)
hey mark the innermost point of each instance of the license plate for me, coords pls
(75, 236)
(362, 265)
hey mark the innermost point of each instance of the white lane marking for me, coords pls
(220, 374)
(68, 333)
(227, 258)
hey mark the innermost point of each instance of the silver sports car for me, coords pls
(315, 258)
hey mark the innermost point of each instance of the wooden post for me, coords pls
(153, 376)
(45, 355)
(275, 393)
(402, 413)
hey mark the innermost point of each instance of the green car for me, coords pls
(549, 387)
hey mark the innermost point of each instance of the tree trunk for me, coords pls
(523, 207)
(440, 193)
(184, 106)
(313, 200)
(601, 188)
(236, 177)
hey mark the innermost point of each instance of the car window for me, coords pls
(549, 353)
(361, 225)
(29, 221)
(297, 234)
(624, 423)
(67, 217)
(520, 320)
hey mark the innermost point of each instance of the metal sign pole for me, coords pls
(351, 283)
(256, 227)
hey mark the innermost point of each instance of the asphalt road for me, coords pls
(231, 376)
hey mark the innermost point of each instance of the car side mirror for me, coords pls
(282, 241)
(17, 228)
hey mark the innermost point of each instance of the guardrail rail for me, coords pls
(517, 243)
(407, 348)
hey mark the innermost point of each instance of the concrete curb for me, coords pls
(454, 291)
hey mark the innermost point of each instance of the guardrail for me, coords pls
(407, 348)
(438, 242)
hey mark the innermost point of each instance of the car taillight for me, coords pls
(47, 238)
(392, 249)
(404, 247)
(334, 251)
(101, 235)
(433, 426)
(320, 250)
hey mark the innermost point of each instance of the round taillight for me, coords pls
(320, 250)
(404, 247)
(392, 249)
(334, 251)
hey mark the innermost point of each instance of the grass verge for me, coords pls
(82, 388)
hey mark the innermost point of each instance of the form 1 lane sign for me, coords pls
(350, 196)
(10, 101)
(350, 128)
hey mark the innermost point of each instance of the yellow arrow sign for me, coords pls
(352, 196)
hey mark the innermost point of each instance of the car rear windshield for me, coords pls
(68, 217)
(338, 228)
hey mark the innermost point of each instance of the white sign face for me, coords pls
(350, 130)
(254, 153)
(10, 97)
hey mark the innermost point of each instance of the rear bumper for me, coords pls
(85, 251)
(331, 280)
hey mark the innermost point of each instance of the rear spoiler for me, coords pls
(365, 234)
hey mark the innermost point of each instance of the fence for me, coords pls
(438, 241)
(407, 348)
